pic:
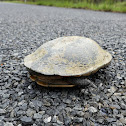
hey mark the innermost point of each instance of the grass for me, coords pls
(103, 6)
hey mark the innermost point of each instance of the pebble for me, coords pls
(123, 106)
(78, 108)
(67, 101)
(37, 116)
(67, 120)
(111, 120)
(77, 120)
(47, 120)
(123, 121)
(26, 120)
(55, 118)
(8, 124)
(1, 59)
(1, 123)
(80, 113)
(115, 111)
(2, 111)
(30, 112)
(19, 125)
(92, 109)
(112, 89)
(20, 93)
(29, 87)
(115, 106)
(34, 124)
(100, 120)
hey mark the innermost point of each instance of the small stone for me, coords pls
(111, 120)
(112, 89)
(100, 120)
(31, 104)
(26, 120)
(124, 113)
(1, 118)
(119, 116)
(86, 115)
(16, 78)
(123, 106)
(19, 125)
(37, 116)
(34, 124)
(1, 123)
(8, 124)
(32, 96)
(67, 120)
(59, 122)
(114, 124)
(47, 104)
(55, 118)
(115, 106)
(41, 112)
(68, 109)
(30, 112)
(123, 120)
(20, 112)
(15, 71)
(20, 93)
(23, 107)
(77, 108)
(117, 94)
(0, 59)
(12, 114)
(47, 120)
(16, 83)
(21, 103)
(92, 109)
(79, 113)
(115, 111)
(2, 111)
(67, 101)
(77, 120)
(29, 87)
(15, 54)
(60, 117)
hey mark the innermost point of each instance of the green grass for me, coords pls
(103, 6)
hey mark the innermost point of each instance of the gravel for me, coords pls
(8, 124)
(23, 28)
(26, 120)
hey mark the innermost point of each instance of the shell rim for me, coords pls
(89, 70)
(94, 70)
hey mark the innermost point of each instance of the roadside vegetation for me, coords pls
(102, 5)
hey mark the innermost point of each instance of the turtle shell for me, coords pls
(68, 56)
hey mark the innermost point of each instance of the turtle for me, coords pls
(63, 62)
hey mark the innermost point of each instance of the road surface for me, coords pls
(23, 28)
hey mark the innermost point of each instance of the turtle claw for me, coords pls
(91, 83)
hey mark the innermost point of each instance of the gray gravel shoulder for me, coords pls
(23, 28)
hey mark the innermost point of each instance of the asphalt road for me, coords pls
(23, 28)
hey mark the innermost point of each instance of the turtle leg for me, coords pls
(81, 82)
(90, 83)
